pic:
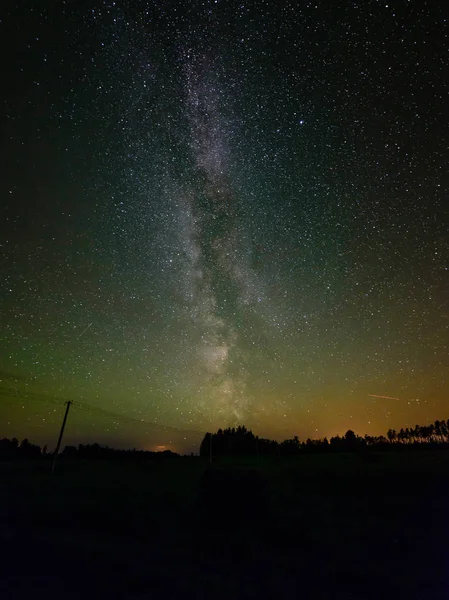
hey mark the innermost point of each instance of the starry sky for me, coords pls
(218, 213)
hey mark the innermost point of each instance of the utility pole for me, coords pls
(210, 449)
(61, 433)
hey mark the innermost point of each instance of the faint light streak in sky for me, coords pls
(386, 397)
(84, 330)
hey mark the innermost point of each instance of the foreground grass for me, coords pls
(324, 525)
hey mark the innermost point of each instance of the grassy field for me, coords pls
(319, 526)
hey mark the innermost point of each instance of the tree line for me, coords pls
(87, 451)
(24, 449)
(238, 441)
(12, 449)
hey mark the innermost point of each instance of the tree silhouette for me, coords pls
(392, 435)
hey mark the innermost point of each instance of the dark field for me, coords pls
(319, 526)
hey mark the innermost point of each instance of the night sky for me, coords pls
(223, 213)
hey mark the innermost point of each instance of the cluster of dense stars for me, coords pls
(220, 212)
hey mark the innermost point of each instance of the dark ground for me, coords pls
(317, 527)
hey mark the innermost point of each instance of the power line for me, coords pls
(107, 413)
(12, 393)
